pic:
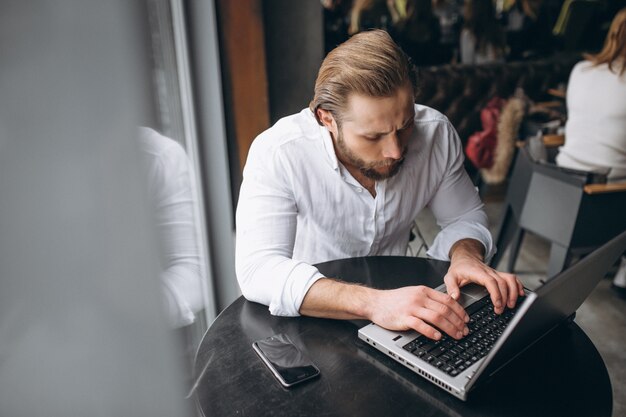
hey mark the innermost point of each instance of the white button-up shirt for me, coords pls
(170, 189)
(299, 206)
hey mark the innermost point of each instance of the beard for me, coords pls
(369, 169)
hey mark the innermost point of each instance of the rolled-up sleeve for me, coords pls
(456, 204)
(266, 228)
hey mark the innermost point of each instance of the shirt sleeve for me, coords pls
(182, 272)
(266, 228)
(456, 204)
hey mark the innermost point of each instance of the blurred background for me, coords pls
(85, 252)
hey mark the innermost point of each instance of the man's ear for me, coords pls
(327, 120)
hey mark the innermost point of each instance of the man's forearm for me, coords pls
(467, 248)
(416, 307)
(329, 298)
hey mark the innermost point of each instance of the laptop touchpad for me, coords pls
(475, 291)
(469, 293)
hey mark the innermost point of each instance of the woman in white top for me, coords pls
(595, 133)
(482, 38)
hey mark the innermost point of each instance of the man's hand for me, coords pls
(466, 265)
(419, 308)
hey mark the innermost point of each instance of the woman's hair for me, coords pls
(531, 8)
(614, 50)
(480, 20)
(358, 7)
(419, 10)
(420, 24)
(369, 64)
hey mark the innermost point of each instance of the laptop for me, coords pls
(457, 366)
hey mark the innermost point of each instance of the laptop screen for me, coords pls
(554, 302)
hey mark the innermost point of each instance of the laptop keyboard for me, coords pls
(454, 356)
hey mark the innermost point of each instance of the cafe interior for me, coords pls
(85, 327)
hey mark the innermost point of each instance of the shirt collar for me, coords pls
(327, 140)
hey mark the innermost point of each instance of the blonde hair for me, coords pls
(369, 64)
(614, 50)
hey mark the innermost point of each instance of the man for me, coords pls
(346, 178)
(171, 192)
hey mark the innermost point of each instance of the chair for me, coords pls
(560, 205)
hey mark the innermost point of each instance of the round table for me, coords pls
(562, 374)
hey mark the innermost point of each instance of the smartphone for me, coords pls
(285, 360)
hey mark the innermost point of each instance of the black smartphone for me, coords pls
(285, 360)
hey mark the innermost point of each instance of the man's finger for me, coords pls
(452, 287)
(504, 290)
(494, 291)
(447, 311)
(441, 322)
(512, 283)
(447, 300)
(422, 327)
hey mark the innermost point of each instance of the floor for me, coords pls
(602, 316)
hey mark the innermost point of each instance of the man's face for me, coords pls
(374, 133)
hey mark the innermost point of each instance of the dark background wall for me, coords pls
(294, 47)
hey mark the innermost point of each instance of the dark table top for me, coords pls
(562, 374)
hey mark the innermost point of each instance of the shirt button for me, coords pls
(359, 190)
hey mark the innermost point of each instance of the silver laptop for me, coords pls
(495, 340)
